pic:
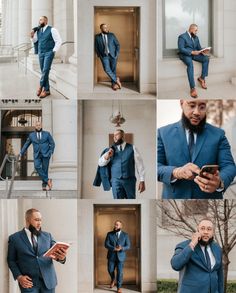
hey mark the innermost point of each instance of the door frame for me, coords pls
(111, 207)
(136, 73)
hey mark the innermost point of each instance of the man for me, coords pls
(189, 50)
(47, 42)
(34, 272)
(185, 147)
(43, 147)
(199, 261)
(120, 162)
(117, 242)
(107, 48)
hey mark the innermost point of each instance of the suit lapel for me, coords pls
(183, 140)
(216, 254)
(199, 252)
(26, 240)
(199, 143)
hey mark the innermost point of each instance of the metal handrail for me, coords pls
(14, 161)
(27, 49)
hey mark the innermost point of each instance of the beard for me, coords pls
(205, 243)
(34, 231)
(42, 24)
(119, 141)
(38, 130)
(105, 33)
(116, 230)
(194, 128)
(193, 35)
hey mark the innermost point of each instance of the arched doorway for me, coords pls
(15, 128)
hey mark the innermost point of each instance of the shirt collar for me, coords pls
(189, 34)
(45, 27)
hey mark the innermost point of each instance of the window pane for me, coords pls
(179, 14)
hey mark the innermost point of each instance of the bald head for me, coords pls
(193, 29)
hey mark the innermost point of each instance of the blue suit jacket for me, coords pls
(113, 45)
(45, 145)
(186, 45)
(103, 175)
(22, 259)
(111, 242)
(195, 277)
(211, 148)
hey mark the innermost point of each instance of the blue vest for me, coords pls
(45, 40)
(122, 163)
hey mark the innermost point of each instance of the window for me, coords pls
(178, 15)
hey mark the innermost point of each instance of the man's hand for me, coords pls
(210, 183)
(141, 187)
(195, 53)
(187, 172)
(195, 238)
(32, 34)
(109, 154)
(25, 281)
(118, 248)
(205, 52)
(60, 254)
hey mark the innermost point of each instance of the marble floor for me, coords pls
(15, 84)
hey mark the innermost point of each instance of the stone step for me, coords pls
(41, 194)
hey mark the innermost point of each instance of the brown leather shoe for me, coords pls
(112, 284)
(39, 91)
(193, 93)
(44, 94)
(119, 290)
(115, 87)
(118, 82)
(202, 83)
(50, 184)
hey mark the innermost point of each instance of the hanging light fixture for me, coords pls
(22, 120)
(117, 117)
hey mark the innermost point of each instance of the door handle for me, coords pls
(136, 52)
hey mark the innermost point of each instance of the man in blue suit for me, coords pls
(185, 147)
(189, 50)
(117, 242)
(34, 272)
(117, 166)
(199, 261)
(47, 42)
(107, 48)
(43, 147)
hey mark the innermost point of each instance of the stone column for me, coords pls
(24, 24)
(15, 23)
(6, 23)
(64, 22)
(73, 58)
(63, 168)
(8, 226)
(41, 8)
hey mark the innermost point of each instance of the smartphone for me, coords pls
(212, 169)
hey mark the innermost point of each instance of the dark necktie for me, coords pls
(121, 148)
(208, 261)
(191, 143)
(106, 44)
(34, 243)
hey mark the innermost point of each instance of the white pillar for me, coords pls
(73, 58)
(24, 24)
(14, 20)
(8, 226)
(63, 20)
(41, 8)
(6, 24)
(64, 162)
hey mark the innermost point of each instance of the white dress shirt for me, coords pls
(139, 166)
(118, 234)
(55, 35)
(28, 233)
(211, 255)
(187, 136)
